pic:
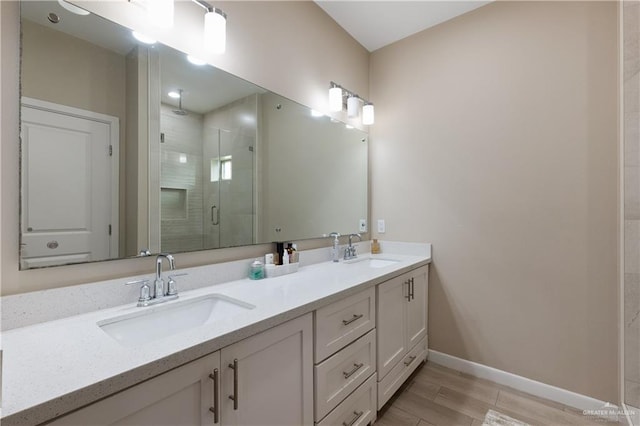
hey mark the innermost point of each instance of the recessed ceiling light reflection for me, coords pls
(174, 95)
(143, 38)
(315, 113)
(196, 61)
(73, 8)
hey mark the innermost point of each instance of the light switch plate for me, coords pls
(381, 226)
(362, 225)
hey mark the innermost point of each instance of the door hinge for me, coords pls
(110, 150)
(109, 229)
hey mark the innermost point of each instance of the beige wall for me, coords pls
(496, 140)
(292, 48)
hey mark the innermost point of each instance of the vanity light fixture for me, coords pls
(160, 13)
(368, 114)
(337, 95)
(143, 38)
(73, 8)
(215, 28)
(353, 102)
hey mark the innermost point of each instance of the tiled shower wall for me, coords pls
(631, 95)
(181, 181)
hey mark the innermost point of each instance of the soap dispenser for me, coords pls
(335, 249)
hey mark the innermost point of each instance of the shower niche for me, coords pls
(207, 175)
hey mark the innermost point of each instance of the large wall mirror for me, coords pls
(127, 146)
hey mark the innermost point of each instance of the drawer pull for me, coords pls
(356, 416)
(215, 409)
(411, 359)
(356, 367)
(353, 318)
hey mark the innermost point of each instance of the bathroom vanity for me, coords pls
(327, 345)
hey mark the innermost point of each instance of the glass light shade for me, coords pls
(335, 99)
(368, 116)
(215, 31)
(353, 105)
(160, 13)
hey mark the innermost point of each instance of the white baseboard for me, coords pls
(542, 390)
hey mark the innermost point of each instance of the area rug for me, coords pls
(493, 418)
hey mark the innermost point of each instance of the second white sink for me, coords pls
(373, 262)
(160, 321)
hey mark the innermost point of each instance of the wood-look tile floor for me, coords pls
(436, 395)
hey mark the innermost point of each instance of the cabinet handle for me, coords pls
(356, 367)
(353, 318)
(215, 409)
(412, 289)
(356, 415)
(411, 359)
(408, 296)
(234, 397)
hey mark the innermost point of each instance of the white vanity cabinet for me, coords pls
(267, 379)
(345, 354)
(402, 329)
(269, 376)
(183, 396)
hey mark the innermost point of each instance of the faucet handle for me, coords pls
(145, 290)
(172, 288)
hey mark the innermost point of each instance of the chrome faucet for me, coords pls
(159, 295)
(335, 249)
(350, 251)
(158, 284)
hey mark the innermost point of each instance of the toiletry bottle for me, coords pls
(279, 250)
(256, 271)
(285, 258)
(294, 257)
(375, 247)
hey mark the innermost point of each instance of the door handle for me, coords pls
(215, 215)
(413, 296)
(215, 409)
(234, 397)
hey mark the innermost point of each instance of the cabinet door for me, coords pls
(182, 396)
(417, 307)
(270, 377)
(391, 323)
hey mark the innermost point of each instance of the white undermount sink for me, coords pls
(153, 323)
(373, 262)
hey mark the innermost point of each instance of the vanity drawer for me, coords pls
(342, 322)
(400, 372)
(341, 374)
(358, 409)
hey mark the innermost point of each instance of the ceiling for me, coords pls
(375, 24)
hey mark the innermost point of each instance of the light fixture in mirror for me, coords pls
(239, 165)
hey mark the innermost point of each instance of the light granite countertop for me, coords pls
(54, 367)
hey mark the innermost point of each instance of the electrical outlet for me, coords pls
(362, 226)
(381, 226)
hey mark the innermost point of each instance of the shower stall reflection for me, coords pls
(207, 175)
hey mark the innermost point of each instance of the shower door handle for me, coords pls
(215, 215)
